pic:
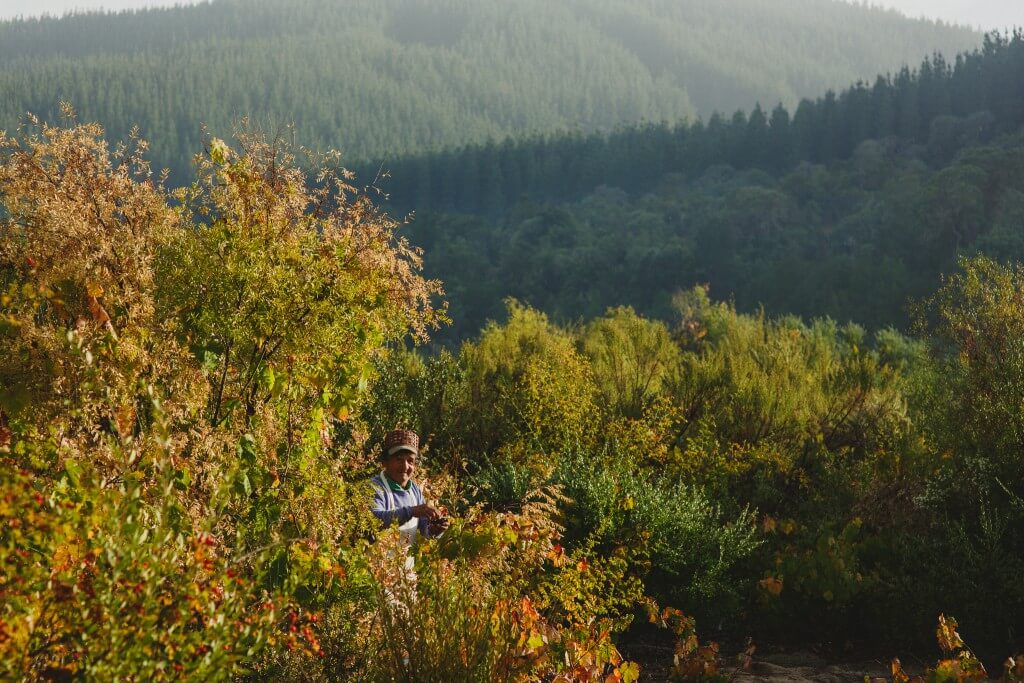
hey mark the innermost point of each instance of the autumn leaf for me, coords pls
(99, 314)
(771, 585)
(5, 432)
(898, 674)
(949, 639)
(630, 672)
(125, 418)
(787, 526)
(1014, 669)
(746, 658)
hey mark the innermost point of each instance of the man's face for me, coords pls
(400, 467)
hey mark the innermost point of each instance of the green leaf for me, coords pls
(74, 471)
(268, 378)
(630, 672)
(182, 479)
(219, 151)
(14, 398)
(242, 484)
(277, 571)
(9, 324)
(247, 449)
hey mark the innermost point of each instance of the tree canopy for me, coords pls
(393, 77)
(845, 208)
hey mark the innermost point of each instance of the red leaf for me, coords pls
(99, 314)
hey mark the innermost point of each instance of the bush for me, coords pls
(525, 382)
(169, 381)
(676, 539)
(969, 408)
(102, 584)
(631, 359)
(478, 607)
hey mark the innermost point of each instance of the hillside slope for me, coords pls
(847, 208)
(386, 77)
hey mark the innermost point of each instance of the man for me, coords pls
(396, 497)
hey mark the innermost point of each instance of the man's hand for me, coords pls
(439, 525)
(425, 511)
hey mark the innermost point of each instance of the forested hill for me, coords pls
(946, 103)
(390, 77)
(848, 207)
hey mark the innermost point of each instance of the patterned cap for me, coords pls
(401, 440)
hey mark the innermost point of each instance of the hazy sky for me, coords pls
(33, 8)
(987, 14)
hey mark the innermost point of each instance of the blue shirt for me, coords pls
(390, 506)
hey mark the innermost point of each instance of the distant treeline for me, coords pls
(848, 208)
(394, 77)
(946, 105)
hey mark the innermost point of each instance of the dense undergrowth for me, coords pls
(807, 481)
(183, 468)
(191, 387)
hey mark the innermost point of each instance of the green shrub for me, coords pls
(525, 382)
(504, 484)
(968, 404)
(681, 543)
(631, 359)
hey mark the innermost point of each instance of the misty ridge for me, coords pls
(389, 78)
